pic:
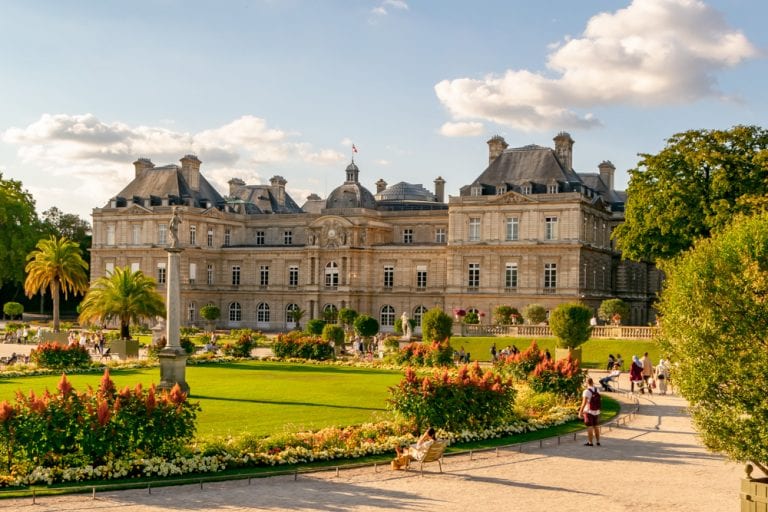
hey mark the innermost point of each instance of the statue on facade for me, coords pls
(173, 227)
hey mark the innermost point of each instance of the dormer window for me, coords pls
(477, 190)
(501, 189)
(552, 187)
(526, 189)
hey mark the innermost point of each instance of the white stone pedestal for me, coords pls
(173, 359)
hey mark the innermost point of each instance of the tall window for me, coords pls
(262, 312)
(227, 237)
(287, 237)
(389, 276)
(192, 235)
(440, 235)
(473, 279)
(210, 274)
(136, 234)
(513, 228)
(290, 309)
(264, 275)
(260, 238)
(418, 313)
(387, 316)
(550, 277)
(550, 228)
(161, 273)
(331, 275)
(293, 276)
(474, 229)
(111, 234)
(192, 273)
(236, 275)
(109, 268)
(162, 234)
(209, 240)
(408, 236)
(421, 276)
(191, 311)
(510, 276)
(330, 313)
(235, 312)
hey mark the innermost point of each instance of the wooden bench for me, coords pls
(434, 454)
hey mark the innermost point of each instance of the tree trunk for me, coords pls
(55, 295)
(125, 332)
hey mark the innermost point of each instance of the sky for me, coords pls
(258, 88)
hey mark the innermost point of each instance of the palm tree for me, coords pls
(56, 264)
(123, 295)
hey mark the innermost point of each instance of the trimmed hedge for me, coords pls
(297, 344)
(53, 355)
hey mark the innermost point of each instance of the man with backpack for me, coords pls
(590, 411)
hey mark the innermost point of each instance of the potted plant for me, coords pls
(570, 323)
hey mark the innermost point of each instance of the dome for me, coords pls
(351, 195)
(406, 192)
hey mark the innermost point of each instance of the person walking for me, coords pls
(662, 376)
(590, 412)
(648, 372)
(636, 375)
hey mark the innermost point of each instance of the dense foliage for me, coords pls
(241, 348)
(695, 185)
(366, 326)
(210, 313)
(569, 321)
(454, 400)
(53, 355)
(436, 353)
(613, 309)
(522, 364)
(88, 428)
(562, 377)
(535, 313)
(13, 309)
(315, 326)
(18, 229)
(334, 333)
(506, 315)
(296, 344)
(436, 325)
(714, 320)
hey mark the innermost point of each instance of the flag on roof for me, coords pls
(354, 149)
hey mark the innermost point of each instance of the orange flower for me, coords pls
(64, 386)
(6, 411)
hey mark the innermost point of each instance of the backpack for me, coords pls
(594, 400)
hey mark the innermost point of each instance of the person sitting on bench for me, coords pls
(416, 451)
(605, 382)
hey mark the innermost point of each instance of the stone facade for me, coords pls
(528, 229)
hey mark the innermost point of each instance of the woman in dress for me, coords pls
(636, 375)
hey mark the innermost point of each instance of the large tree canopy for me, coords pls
(18, 229)
(695, 185)
(715, 320)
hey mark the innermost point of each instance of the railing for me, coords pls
(626, 332)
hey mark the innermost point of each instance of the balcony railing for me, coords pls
(626, 332)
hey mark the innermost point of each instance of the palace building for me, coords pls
(528, 229)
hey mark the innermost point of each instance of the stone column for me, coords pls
(173, 358)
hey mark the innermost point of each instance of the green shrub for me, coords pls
(315, 326)
(613, 310)
(53, 355)
(471, 318)
(392, 343)
(562, 377)
(535, 313)
(522, 364)
(570, 323)
(241, 348)
(13, 309)
(296, 344)
(366, 326)
(436, 325)
(454, 400)
(334, 333)
(189, 331)
(187, 344)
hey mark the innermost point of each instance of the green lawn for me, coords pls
(256, 397)
(594, 352)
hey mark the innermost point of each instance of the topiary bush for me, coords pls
(535, 313)
(53, 355)
(334, 333)
(315, 327)
(570, 323)
(436, 325)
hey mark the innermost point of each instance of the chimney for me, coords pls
(278, 188)
(142, 164)
(381, 185)
(190, 169)
(607, 169)
(564, 149)
(496, 146)
(234, 184)
(440, 189)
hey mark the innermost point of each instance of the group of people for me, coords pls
(643, 375)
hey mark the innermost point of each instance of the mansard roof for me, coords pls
(263, 199)
(168, 181)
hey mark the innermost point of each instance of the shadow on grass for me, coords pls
(276, 402)
(295, 368)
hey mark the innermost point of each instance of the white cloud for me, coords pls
(653, 52)
(382, 162)
(382, 8)
(463, 129)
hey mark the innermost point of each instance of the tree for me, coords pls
(297, 314)
(714, 320)
(18, 229)
(56, 223)
(569, 321)
(535, 313)
(210, 314)
(13, 309)
(334, 333)
(471, 318)
(58, 266)
(694, 186)
(347, 316)
(366, 326)
(609, 308)
(506, 315)
(436, 325)
(315, 326)
(124, 295)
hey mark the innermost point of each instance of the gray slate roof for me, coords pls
(261, 199)
(167, 181)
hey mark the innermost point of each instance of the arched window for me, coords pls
(262, 312)
(191, 310)
(289, 310)
(235, 312)
(331, 275)
(387, 316)
(417, 314)
(330, 313)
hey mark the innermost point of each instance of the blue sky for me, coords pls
(284, 87)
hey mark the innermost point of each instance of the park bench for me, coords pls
(434, 454)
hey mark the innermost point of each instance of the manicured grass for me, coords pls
(594, 352)
(256, 397)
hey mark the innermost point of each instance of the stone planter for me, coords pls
(754, 495)
(562, 353)
(124, 348)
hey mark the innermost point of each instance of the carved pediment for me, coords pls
(513, 197)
